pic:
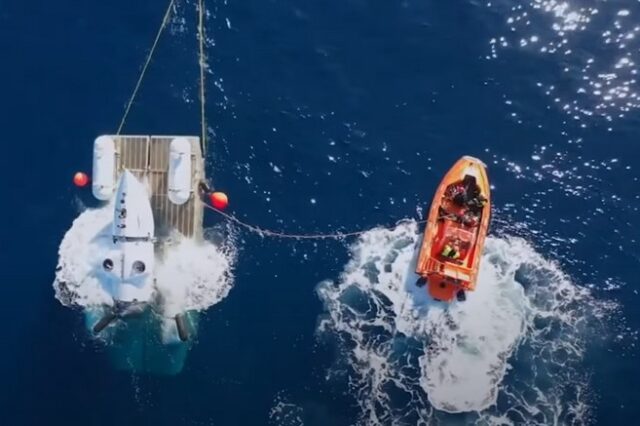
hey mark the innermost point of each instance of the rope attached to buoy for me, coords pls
(285, 235)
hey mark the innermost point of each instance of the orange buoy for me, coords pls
(219, 200)
(80, 179)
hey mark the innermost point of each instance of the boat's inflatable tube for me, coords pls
(183, 329)
(179, 189)
(104, 168)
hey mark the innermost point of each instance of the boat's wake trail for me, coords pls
(190, 275)
(405, 355)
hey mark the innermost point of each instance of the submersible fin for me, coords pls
(183, 330)
(104, 322)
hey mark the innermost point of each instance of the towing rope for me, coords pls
(163, 25)
(285, 235)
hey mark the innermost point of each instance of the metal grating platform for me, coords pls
(147, 157)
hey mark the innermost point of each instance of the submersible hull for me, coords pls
(153, 181)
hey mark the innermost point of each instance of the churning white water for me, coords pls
(406, 355)
(190, 275)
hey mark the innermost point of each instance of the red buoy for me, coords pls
(80, 179)
(219, 200)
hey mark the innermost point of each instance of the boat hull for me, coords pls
(446, 277)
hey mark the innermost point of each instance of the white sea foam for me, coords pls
(80, 256)
(406, 355)
(194, 276)
(190, 275)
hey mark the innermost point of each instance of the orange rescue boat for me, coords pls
(455, 232)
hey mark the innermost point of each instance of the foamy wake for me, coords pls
(190, 275)
(404, 354)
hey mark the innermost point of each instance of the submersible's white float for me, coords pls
(104, 168)
(179, 171)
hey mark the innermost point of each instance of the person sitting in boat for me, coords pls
(456, 192)
(476, 204)
(474, 200)
(470, 219)
(466, 193)
(444, 214)
(451, 250)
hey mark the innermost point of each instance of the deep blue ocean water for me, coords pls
(326, 116)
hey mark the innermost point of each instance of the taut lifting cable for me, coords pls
(163, 25)
(202, 59)
(284, 235)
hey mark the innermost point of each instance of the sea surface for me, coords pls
(326, 117)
